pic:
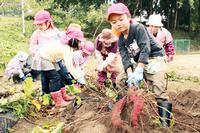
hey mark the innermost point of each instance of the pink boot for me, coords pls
(65, 96)
(58, 99)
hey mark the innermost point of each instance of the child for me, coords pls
(135, 42)
(43, 35)
(16, 67)
(73, 35)
(162, 36)
(81, 56)
(52, 82)
(106, 53)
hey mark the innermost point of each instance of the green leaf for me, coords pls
(46, 99)
(36, 104)
(28, 87)
(78, 100)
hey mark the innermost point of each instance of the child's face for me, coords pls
(120, 22)
(105, 44)
(85, 54)
(43, 26)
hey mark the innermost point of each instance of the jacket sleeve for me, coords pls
(109, 59)
(169, 48)
(126, 61)
(143, 43)
(34, 43)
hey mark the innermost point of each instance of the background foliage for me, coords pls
(182, 19)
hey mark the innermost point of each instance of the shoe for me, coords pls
(65, 96)
(58, 99)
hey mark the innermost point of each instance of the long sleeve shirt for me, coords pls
(165, 40)
(39, 38)
(14, 67)
(139, 45)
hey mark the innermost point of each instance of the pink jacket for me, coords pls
(39, 38)
(165, 40)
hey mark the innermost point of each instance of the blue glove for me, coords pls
(130, 79)
(136, 77)
(81, 81)
(23, 78)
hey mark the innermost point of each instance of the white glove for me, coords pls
(81, 81)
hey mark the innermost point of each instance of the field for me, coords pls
(94, 117)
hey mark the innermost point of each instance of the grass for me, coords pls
(12, 39)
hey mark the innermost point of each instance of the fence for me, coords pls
(182, 45)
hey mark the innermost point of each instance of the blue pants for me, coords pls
(51, 81)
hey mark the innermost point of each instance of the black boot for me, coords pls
(164, 110)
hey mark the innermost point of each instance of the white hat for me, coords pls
(22, 56)
(154, 20)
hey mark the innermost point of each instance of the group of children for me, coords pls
(129, 51)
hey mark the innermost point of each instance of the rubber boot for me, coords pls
(164, 111)
(74, 89)
(116, 111)
(65, 96)
(58, 99)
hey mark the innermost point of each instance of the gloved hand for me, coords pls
(23, 78)
(136, 77)
(81, 81)
(130, 79)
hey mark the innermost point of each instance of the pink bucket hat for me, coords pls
(41, 17)
(72, 32)
(118, 8)
(107, 36)
(88, 47)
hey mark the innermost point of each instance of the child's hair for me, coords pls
(73, 43)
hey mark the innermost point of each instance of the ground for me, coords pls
(94, 117)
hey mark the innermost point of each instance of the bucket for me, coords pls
(164, 111)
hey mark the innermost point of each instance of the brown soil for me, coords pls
(94, 115)
(186, 115)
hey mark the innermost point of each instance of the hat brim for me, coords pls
(114, 12)
(111, 40)
(154, 24)
(38, 22)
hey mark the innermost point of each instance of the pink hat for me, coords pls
(107, 36)
(72, 32)
(42, 16)
(118, 8)
(88, 47)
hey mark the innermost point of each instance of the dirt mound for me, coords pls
(95, 117)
